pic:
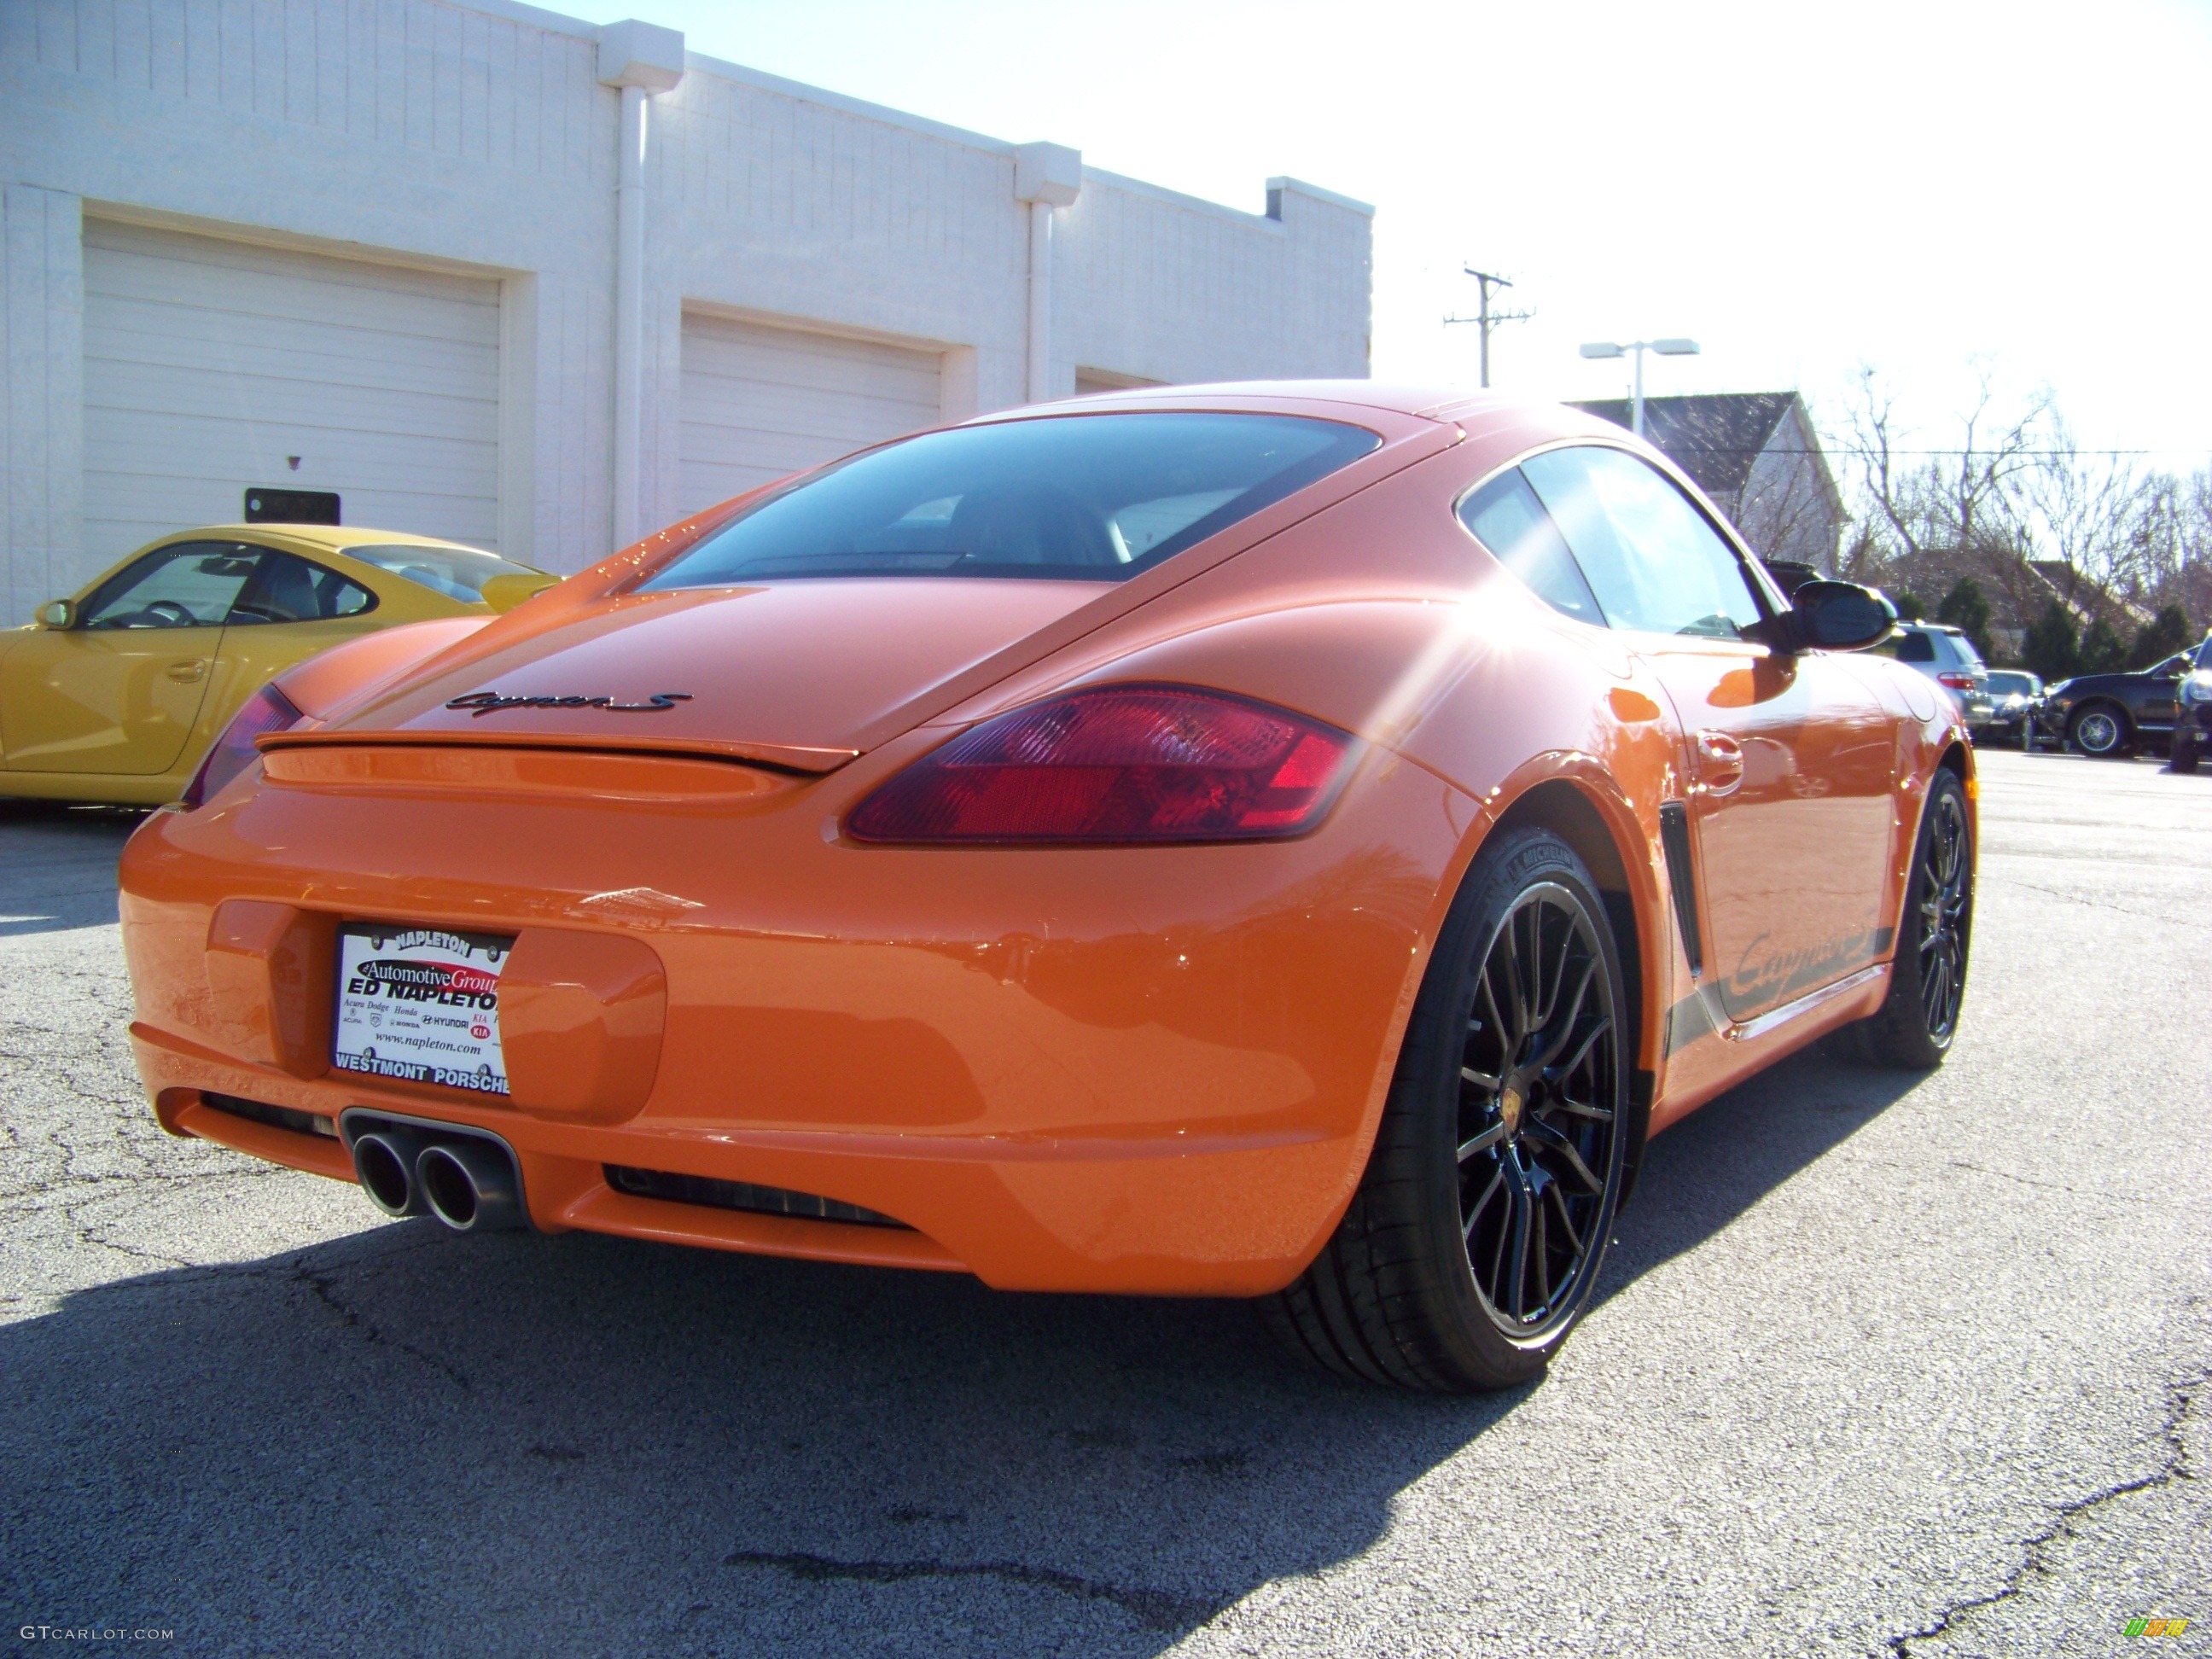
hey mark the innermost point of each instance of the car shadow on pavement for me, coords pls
(58, 863)
(1716, 1164)
(402, 1441)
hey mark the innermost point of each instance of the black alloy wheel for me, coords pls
(2100, 730)
(1919, 1018)
(1476, 1236)
(1536, 1118)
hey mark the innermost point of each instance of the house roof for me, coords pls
(1714, 437)
(2086, 598)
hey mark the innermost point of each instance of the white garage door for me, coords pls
(209, 364)
(760, 402)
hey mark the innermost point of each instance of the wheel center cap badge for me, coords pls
(1509, 1108)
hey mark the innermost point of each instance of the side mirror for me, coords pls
(58, 613)
(504, 593)
(1827, 616)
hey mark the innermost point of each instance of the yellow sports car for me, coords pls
(115, 693)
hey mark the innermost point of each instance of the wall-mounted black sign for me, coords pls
(291, 505)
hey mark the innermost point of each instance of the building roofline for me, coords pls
(514, 11)
(1121, 181)
(722, 69)
(1299, 186)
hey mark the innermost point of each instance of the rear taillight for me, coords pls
(266, 710)
(1118, 763)
(1955, 680)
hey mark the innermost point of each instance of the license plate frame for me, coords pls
(419, 1005)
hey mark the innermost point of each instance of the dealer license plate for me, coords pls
(420, 1004)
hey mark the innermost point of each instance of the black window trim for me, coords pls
(1764, 592)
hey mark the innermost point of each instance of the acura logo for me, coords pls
(481, 703)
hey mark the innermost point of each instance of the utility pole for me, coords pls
(1486, 318)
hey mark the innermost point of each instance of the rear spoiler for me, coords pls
(783, 756)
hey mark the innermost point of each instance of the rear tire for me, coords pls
(2101, 730)
(1475, 1241)
(1919, 1018)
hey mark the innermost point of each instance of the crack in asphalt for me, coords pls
(2180, 1399)
(323, 1286)
(88, 1234)
(1157, 1609)
(2078, 898)
(2122, 1200)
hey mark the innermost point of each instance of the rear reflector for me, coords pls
(1119, 765)
(741, 1195)
(276, 1117)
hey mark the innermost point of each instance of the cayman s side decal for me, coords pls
(481, 703)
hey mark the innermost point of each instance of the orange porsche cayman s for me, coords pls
(1292, 840)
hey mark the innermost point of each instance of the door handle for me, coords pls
(186, 672)
(1720, 763)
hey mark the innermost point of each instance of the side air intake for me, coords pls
(1681, 876)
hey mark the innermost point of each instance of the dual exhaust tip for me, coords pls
(468, 1183)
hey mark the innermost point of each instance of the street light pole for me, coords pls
(1673, 346)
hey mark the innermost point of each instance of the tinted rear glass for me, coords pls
(1081, 497)
(459, 572)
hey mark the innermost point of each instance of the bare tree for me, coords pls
(1951, 505)
(2012, 500)
(2097, 514)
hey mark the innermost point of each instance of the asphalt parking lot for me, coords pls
(1884, 1364)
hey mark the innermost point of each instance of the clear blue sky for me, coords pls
(1920, 186)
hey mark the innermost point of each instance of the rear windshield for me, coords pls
(1079, 497)
(1963, 648)
(459, 572)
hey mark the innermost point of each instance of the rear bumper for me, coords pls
(1150, 1070)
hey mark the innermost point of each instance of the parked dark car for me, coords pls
(2193, 731)
(2109, 714)
(2015, 702)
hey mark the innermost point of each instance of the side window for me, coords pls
(288, 589)
(1505, 517)
(1649, 556)
(1915, 648)
(190, 585)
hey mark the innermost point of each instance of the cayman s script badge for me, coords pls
(481, 703)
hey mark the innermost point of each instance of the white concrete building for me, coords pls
(492, 273)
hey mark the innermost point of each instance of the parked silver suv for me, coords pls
(1948, 657)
